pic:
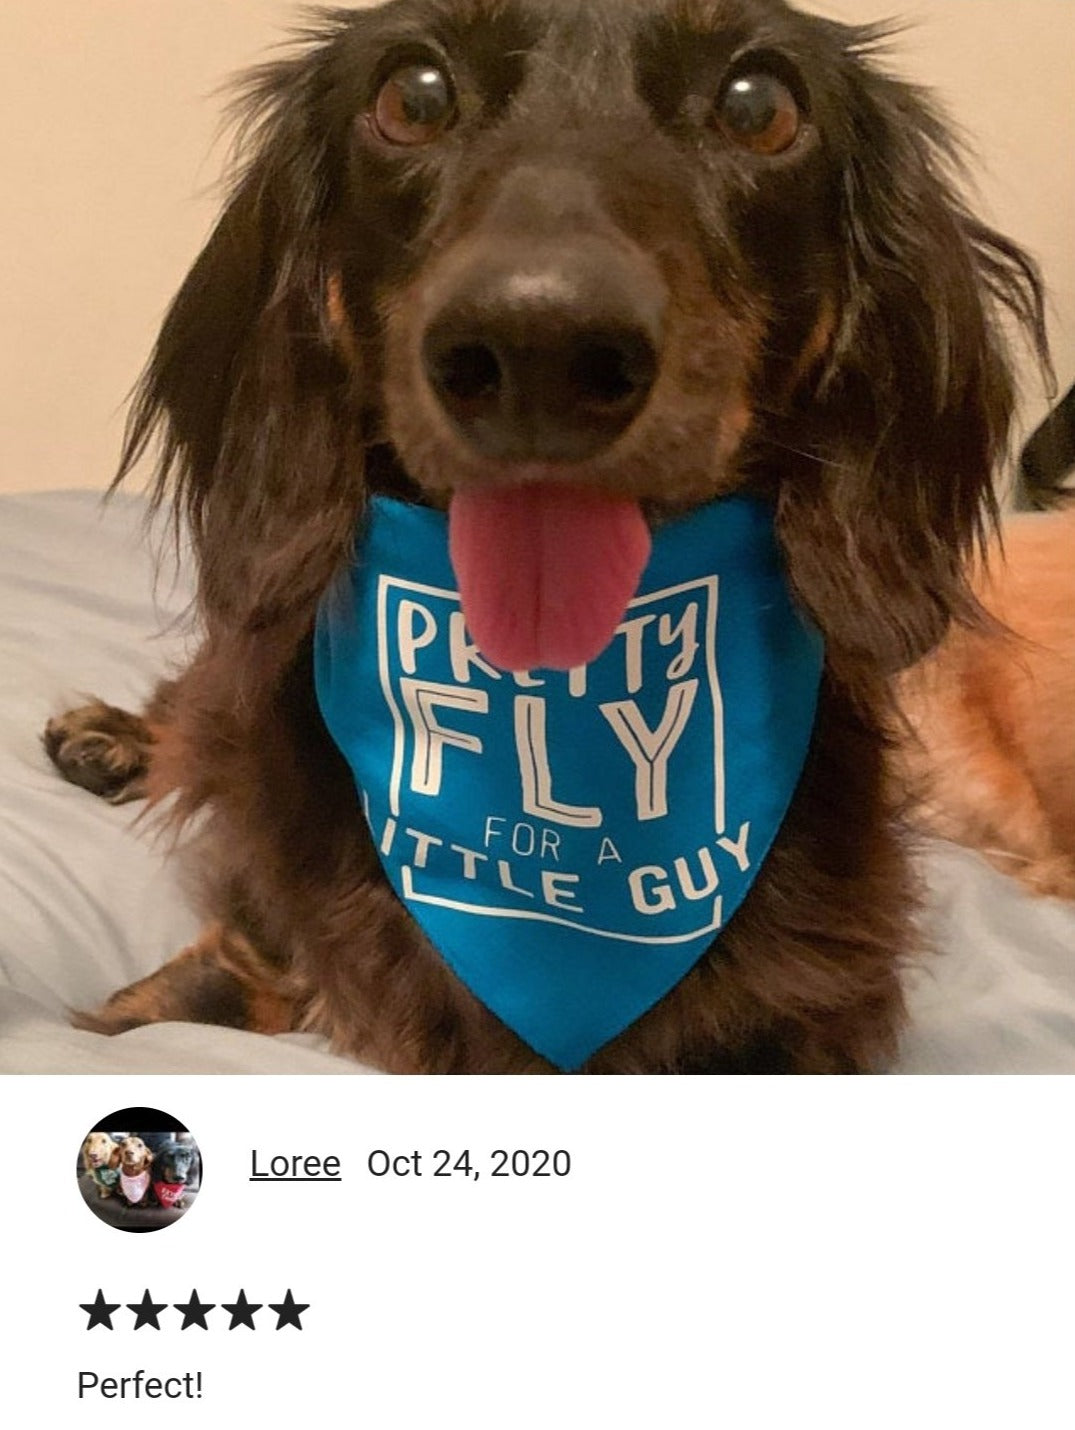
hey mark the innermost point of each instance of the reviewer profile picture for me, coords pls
(139, 1169)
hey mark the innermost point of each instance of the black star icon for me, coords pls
(100, 1311)
(242, 1311)
(145, 1311)
(194, 1311)
(288, 1310)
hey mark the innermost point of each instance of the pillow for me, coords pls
(90, 901)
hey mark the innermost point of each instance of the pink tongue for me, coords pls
(545, 571)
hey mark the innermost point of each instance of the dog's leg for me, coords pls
(109, 751)
(102, 748)
(219, 979)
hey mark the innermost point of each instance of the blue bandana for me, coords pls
(573, 842)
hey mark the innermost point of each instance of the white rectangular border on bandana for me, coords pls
(709, 586)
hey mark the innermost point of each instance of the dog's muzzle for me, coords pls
(546, 325)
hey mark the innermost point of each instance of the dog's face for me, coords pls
(134, 1156)
(99, 1150)
(611, 235)
(173, 1162)
(662, 249)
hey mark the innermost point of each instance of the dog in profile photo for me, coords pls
(174, 1166)
(580, 414)
(101, 1159)
(135, 1161)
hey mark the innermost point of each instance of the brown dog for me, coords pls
(992, 755)
(135, 1161)
(628, 257)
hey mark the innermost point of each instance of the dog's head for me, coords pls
(173, 1161)
(98, 1150)
(134, 1156)
(655, 249)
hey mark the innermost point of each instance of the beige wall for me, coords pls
(1006, 72)
(108, 166)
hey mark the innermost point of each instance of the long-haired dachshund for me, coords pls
(173, 1169)
(101, 1159)
(556, 278)
(135, 1161)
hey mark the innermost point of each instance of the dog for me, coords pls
(990, 755)
(135, 1161)
(173, 1163)
(570, 275)
(101, 1159)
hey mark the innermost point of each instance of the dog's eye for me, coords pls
(414, 105)
(759, 113)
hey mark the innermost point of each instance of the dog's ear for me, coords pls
(248, 391)
(908, 417)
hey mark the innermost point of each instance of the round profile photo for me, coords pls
(139, 1169)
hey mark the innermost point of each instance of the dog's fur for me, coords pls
(134, 1155)
(831, 342)
(99, 1151)
(173, 1164)
(135, 1158)
(992, 750)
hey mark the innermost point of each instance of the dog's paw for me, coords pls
(101, 748)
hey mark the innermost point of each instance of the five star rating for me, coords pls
(195, 1312)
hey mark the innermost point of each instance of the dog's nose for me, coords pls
(542, 355)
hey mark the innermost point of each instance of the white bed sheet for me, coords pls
(87, 903)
